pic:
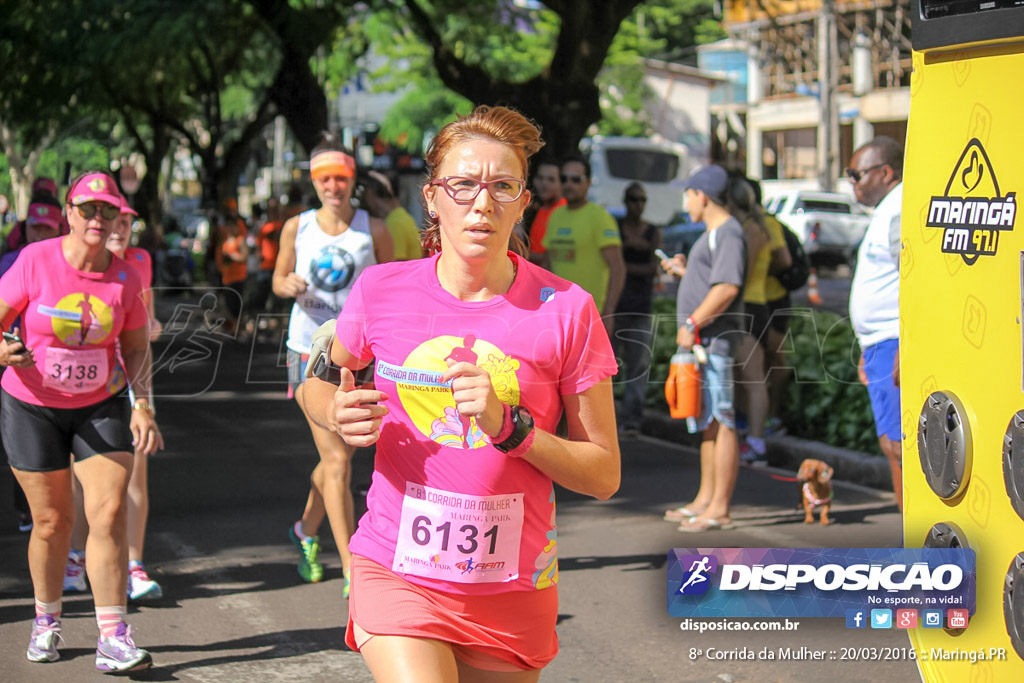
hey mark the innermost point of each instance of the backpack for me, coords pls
(796, 275)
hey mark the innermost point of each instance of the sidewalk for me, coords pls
(787, 452)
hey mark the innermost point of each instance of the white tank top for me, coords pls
(330, 265)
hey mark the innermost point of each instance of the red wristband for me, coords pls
(506, 425)
(520, 450)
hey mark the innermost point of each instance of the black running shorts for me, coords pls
(41, 439)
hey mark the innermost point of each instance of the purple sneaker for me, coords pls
(43, 645)
(119, 653)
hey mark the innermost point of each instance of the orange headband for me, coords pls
(332, 163)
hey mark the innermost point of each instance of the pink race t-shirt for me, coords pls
(142, 263)
(446, 509)
(71, 321)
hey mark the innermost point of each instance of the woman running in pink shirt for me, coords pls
(455, 562)
(58, 399)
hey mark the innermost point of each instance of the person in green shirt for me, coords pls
(380, 201)
(583, 244)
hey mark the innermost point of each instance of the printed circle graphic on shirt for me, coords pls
(80, 319)
(429, 402)
(332, 269)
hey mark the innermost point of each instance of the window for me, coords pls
(645, 165)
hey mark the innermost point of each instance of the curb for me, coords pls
(787, 452)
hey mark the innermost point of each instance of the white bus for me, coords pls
(662, 167)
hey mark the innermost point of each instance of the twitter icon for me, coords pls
(881, 618)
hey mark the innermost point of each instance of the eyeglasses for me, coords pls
(572, 178)
(466, 189)
(855, 175)
(642, 200)
(108, 211)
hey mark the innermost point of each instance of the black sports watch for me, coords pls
(522, 425)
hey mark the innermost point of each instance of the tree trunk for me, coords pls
(299, 98)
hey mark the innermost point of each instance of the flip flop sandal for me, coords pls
(681, 514)
(698, 525)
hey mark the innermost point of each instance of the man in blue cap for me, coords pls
(710, 302)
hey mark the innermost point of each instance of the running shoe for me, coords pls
(748, 456)
(310, 570)
(74, 573)
(25, 522)
(348, 587)
(42, 647)
(140, 586)
(119, 653)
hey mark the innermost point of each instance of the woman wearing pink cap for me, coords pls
(140, 586)
(455, 565)
(58, 399)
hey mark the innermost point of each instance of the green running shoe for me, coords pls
(310, 570)
(347, 588)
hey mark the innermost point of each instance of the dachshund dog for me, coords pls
(815, 489)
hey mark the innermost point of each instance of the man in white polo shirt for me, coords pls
(876, 171)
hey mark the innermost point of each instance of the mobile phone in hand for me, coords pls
(662, 255)
(12, 338)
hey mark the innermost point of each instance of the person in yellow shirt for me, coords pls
(380, 201)
(583, 244)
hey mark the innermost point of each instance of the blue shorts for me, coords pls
(716, 399)
(885, 395)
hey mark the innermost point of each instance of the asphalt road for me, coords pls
(234, 476)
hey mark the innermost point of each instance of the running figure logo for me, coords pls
(697, 580)
(79, 319)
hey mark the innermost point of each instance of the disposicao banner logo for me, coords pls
(817, 582)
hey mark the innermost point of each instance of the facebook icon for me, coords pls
(855, 618)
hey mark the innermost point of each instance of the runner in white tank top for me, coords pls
(329, 264)
(322, 252)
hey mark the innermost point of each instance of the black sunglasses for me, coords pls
(855, 175)
(636, 199)
(107, 211)
(572, 178)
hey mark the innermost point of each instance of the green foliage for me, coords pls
(657, 29)
(826, 402)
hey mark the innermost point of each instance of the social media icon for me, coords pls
(956, 618)
(906, 618)
(856, 618)
(881, 618)
(932, 618)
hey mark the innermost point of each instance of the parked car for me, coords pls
(830, 225)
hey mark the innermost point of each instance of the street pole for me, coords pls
(828, 123)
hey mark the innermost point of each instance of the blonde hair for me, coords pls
(500, 124)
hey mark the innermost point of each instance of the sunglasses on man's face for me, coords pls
(856, 175)
(107, 211)
(641, 200)
(572, 178)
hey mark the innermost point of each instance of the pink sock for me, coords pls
(107, 618)
(48, 608)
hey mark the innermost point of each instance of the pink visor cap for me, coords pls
(95, 187)
(44, 214)
(126, 208)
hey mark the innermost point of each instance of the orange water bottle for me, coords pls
(683, 388)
